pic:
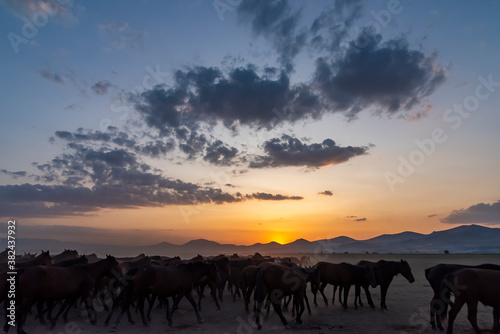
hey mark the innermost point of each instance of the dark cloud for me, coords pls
(219, 154)
(101, 87)
(333, 25)
(51, 76)
(86, 179)
(360, 220)
(387, 76)
(276, 21)
(481, 213)
(433, 215)
(14, 175)
(289, 151)
(326, 193)
(243, 96)
(271, 197)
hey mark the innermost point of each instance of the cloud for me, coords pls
(271, 197)
(52, 76)
(290, 151)
(14, 175)
(88, 178)
(332, 26)
(277, 22)
(101, 87)
(326, 193)
(360, 219)
(389, 77)
(220, 154)
(122, 36)
(243, 96)
(433, 215)
(57, 12)
(481, 213)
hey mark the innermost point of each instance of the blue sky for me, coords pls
(310, 120)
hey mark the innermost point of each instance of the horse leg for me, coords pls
(334, 291)
(151, 302)
(201, 291)
(286, 303)
(39, 308)
(457, 305)
(321, 290)
(90, 309)
(257, 312)
(63, 307)
(346, 294)
(383, 295)
(472, 315)
(300, 307)
(213, 293)
(496, 320)
(340, 294)
(140, 306)
(357, 292)
(189, 297)
(277, 309)
(307, 304)
(368, 296)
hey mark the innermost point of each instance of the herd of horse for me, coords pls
(44, 283)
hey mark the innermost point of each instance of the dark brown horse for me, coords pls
(42, 259)
(385, 272)
(68, 263)
(274, 282)
(471, 285)
(236, 268)
(164, 282)
(441, 299)
(246, 283)
(58, 283)
(343, 275)
(65, 255)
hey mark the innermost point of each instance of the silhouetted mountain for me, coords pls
(462, 239)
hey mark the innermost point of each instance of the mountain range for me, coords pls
(462, 239)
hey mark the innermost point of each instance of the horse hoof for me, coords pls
(259, 327)
(287, 326)
(200, 321)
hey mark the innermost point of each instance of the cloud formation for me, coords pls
(101, 87)
(481, 213)
(290, 151)
(326, 193)
(389, 77)
(58, 11)
(14, 175)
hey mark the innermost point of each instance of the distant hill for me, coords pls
(462, 239)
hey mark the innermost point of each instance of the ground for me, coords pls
(408, 309)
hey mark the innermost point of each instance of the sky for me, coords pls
(137, 122)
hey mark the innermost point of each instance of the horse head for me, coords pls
(405, 270)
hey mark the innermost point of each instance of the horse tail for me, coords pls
(445, 294)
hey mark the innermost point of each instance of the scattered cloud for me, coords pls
(101, 87)
(326, 193)
(290, 151)
(64, 14)
(360, 219)
(52, 76)
(271, 197)
(14, 175)
(122, 36)
(387, 76)
(431, 216)
(481, 213)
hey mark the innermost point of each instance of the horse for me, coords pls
(58, 283)
(342, 274)
(440, 300)
(236, 268)
(164, 282)
(42, 259)
(224, 267)
(274, 282)
(68, 263)
(65, 255)
(472, 285)
(385, 270)
(247, 283)
(126, 266)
